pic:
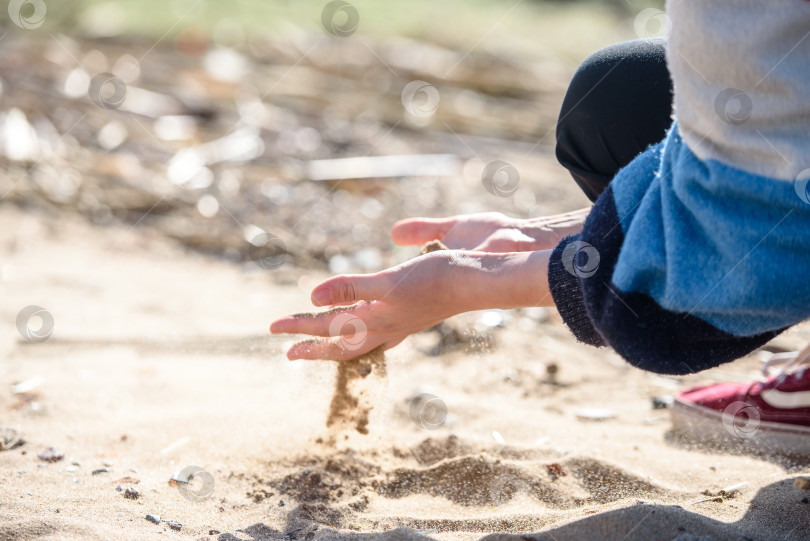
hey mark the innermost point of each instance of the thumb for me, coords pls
(420, 230)
(351, 288)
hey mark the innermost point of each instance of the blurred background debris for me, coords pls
(218, 124)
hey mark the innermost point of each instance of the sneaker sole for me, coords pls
(706, 424)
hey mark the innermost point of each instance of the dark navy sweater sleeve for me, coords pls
(612, 282)
(699, 250)
(566, 290)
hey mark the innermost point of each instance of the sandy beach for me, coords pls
(247, 153)
(160, 360)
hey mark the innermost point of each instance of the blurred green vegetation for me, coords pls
(568, 28)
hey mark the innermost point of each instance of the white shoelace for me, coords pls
(789, 361)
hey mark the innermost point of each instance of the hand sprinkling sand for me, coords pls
(350, 407)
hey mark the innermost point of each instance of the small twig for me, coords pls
(712, 499)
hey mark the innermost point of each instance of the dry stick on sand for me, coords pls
(350, 407)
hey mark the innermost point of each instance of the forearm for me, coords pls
(535, 233)
(560, 225)
(578, 216)
(505, 281)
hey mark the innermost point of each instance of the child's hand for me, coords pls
(390, 305)
(463, 232)
(490, 231)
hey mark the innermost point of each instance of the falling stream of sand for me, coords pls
(351, 406)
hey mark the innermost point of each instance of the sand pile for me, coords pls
(513, 455)
(337, 488)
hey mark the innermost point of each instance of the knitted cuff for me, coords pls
(567, 293)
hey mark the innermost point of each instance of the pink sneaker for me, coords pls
(770, 416)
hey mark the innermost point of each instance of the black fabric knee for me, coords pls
(618, 103)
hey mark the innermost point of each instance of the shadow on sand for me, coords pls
(778, 511)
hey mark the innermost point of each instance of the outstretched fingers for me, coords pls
(351, 288)
(340, 321)
(420, 230)
(333, 349)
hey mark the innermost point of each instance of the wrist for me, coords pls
(549, 231)
(485, 281)
(570, 221)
